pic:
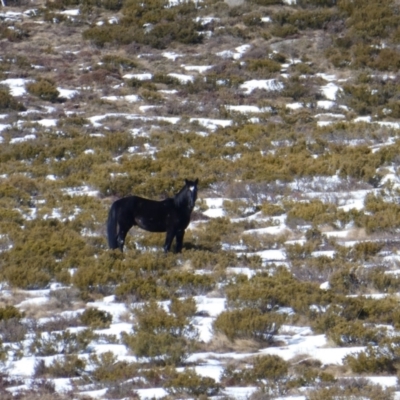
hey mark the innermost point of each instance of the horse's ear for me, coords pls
(196, 181)
(186, 182)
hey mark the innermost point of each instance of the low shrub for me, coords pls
(107, 368)
(270, 373)
(284, 30)
(380, 215)
(376, 360)
(188, 284)
(263, 67)
(69, 366)
(139, 288)
(354, 333)
(248, 323)
(163, 337)
(10, 312)
(308, 373)
(59, 323)
(7, 102)
(13, 330)
(265, 293)
(47, 344)
(44, 88)
(189, 383)
(351, 388)
(271, 210)
(95, 318)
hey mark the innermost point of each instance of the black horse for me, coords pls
(171, 215)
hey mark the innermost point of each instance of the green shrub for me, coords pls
(354, 333)
(117, 63)
(167, 24)
(351, 388)
(107, 368)
(44, 88)
(163, 337)
(351, 309)
(269, 372)
(69, 366)
(95, 318)
(252, 19)
(376, 360)
(12, 328)
(264, 67)
(10, 312)
(316, 18)
(308, 373)
(189, 284)
(7, 102)
(141, 289)
(284, 30)
(189, 383)
(40, 252)
(56, 343)
(271, 210)
(381, 215)
(248, 323)
(377, 19)
(266, 293)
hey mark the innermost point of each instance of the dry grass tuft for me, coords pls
(221, 344)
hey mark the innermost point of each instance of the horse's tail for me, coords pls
(112, 227)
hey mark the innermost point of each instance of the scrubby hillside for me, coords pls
(288, 113)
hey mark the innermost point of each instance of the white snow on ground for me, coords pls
(197, 68)
(236, 54)
(264, 84)
(171, 55)
(132, 98)
(140, 77)
(212, 124)
(182, 78)
(248, 109)
(330, 90)
(16, 85)
(67, 93)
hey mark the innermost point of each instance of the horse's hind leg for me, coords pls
(168, 241)
(121, 239)
(179, 241)
(121, 235)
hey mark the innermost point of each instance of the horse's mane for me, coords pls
(180, 198)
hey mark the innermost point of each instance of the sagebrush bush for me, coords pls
(161, 336)
(95, 318)
(165, 25)
(107, 368)
(47, 344)
(69, 366)
(189, 383)
(248, 323)
(265, 293)
(7, 102)
(260, 369)
(12, 329)
(44, 88)
(351, 388)
(376, 359)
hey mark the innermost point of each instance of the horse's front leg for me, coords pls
(179, 240)
(168, 240)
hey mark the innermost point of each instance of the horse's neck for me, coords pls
(181, 201)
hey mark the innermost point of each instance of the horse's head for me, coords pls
(191, 191)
